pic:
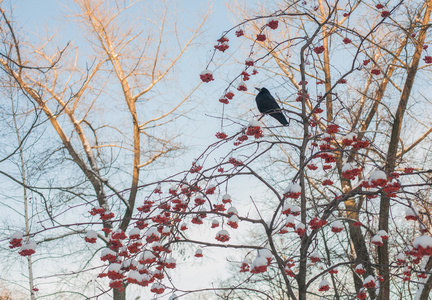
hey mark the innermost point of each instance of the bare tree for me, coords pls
(102, 102)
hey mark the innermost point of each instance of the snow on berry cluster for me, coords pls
(144, 255)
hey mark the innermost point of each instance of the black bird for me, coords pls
(268, 105)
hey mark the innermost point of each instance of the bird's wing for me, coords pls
(266, 103)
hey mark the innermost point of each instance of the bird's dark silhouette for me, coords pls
(268, 105)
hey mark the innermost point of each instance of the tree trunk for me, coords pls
(117, 295)
(383, 255)
(424, 295)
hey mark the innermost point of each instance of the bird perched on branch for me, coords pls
(268, 105)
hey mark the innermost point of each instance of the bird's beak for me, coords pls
(259, 90)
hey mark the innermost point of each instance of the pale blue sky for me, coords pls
(37, 17)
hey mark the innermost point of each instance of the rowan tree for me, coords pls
(343, 144)
(368, 101)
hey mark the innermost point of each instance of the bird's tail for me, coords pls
(280, 117)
